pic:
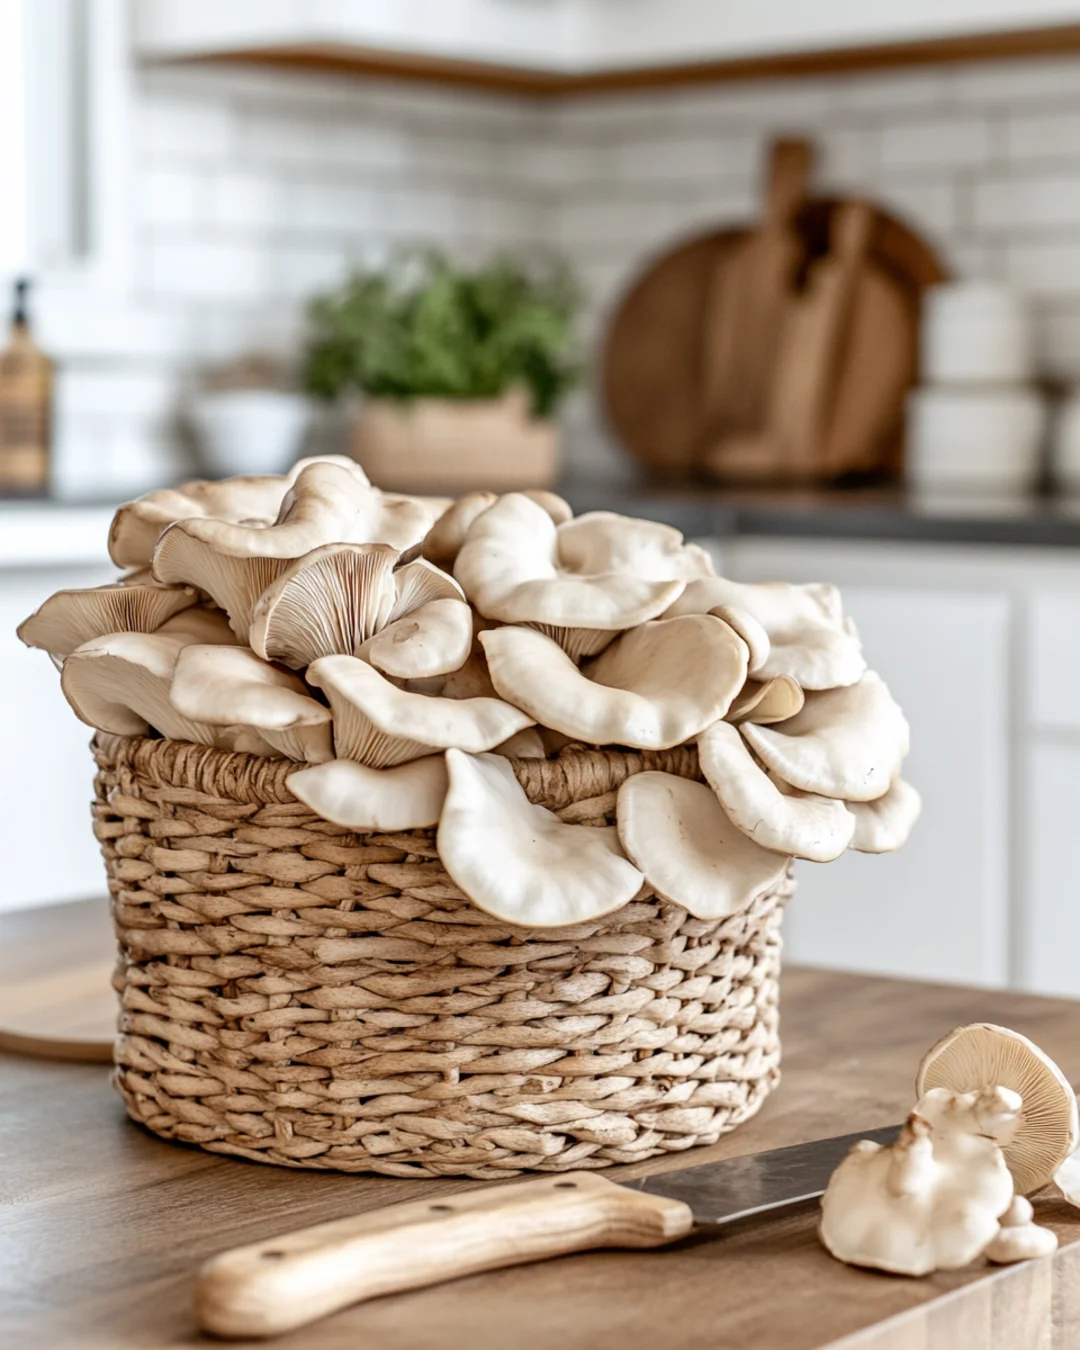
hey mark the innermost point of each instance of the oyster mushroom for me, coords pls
(976, 1056)
(230, 686)
(120, 683)
(406, 797)
(69, 618)
(774, 701)
(511, 569)
(1020, 1238)
(235, 563)
(602, 541)
(443, 541)
(378, 724)
(800, 825)
(518, 861)
(930, 1201)
(677, 835)
(333, 599)
(659, 685)
(808, 637)
(847, 743)
(883, 825)
(434, 639)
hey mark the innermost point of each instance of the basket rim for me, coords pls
(577, 774)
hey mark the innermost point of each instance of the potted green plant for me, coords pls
(460, 369)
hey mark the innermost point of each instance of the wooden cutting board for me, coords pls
(58, 1003)
(652, 366)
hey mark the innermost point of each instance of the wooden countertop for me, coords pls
(102, 1225)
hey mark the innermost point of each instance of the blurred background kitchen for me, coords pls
(819, 267)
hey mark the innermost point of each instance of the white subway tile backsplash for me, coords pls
(1044, 135)
(1041, 79)
(880, 92)
(170, 128)
(1048, 269)
(201, 270)
(936, 142)
(172, 197)
(1026, 201)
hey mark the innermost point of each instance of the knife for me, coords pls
(278, 1285)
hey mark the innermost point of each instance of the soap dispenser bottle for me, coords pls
(25, 406)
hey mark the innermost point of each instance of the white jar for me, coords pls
(975, 333)
(242, 431)
(988, 439)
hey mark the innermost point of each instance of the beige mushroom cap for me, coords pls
(407, 797)
(928, 1202)
(847, 743)
(518, 861)
(775, 700)
(600, 542)
(443, 541)
(69, 618)
(883, 825)
(434, 639)
(676, 833)
(793, 823)
(655, 687)
(1020, 1238)
(378, 724)
(509, 568)
(230, 686)
(808, 636)
(120, 683)
(976, 1056)
(199, 625)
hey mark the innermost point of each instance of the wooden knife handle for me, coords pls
(275, 1286)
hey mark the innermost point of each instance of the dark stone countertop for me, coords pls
(871, 513)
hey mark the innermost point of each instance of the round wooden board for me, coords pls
(652, 355)
(67, 1014)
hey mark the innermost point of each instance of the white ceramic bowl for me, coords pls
(249, 430)
(975, 333)
(975, 438)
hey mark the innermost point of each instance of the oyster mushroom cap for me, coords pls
(434, 639)
(751, 632)
(775, 700)
(800, 825)
(883, 825)
(443, 541)
(808, 635)
(602, 541)
(676, 833)
(655, 687)
(69, 618)
(1020, 1238)
(847, 743)
(199, 625)
(976, 1056)
(120, 683)
(406, 797)
(379, 724)
(509, 568)
(231, 686)
(331, 600)
(527, 744)
(518, 861)
(928, 1202)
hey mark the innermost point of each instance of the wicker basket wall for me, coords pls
(294, 993)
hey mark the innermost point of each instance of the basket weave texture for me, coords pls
(296, 993)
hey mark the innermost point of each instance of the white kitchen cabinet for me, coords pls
(1050, 942)
(566, 37)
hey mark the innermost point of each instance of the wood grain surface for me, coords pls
(103, 1226)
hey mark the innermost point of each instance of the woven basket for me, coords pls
(295, 993)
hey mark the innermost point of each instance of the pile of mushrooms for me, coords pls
(403, 650)
(995, 1122)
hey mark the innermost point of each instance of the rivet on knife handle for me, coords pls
(275, 1286)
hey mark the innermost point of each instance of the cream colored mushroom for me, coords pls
(378, 724)
(443, 541)
(335, 598)
(230, 686)
(406, 797)
(801, 825)
(676, 834)
(527, 744)
(883, 825)
(1067, 1179)
(775, 700)
(510, 569)
(976, 1056)
(434, 639)
(602, 541)
(69, 618)
(1020, 1238)
(931, 1200)
(199, 625)
(235, 563)
(120, 684)
(808, 639)
(518, 861)
(659, 685)
(847, 743)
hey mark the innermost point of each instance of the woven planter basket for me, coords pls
(298, 994)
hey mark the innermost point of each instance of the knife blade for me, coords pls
(286, 1282)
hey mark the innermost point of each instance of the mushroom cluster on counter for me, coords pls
(404, 651)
